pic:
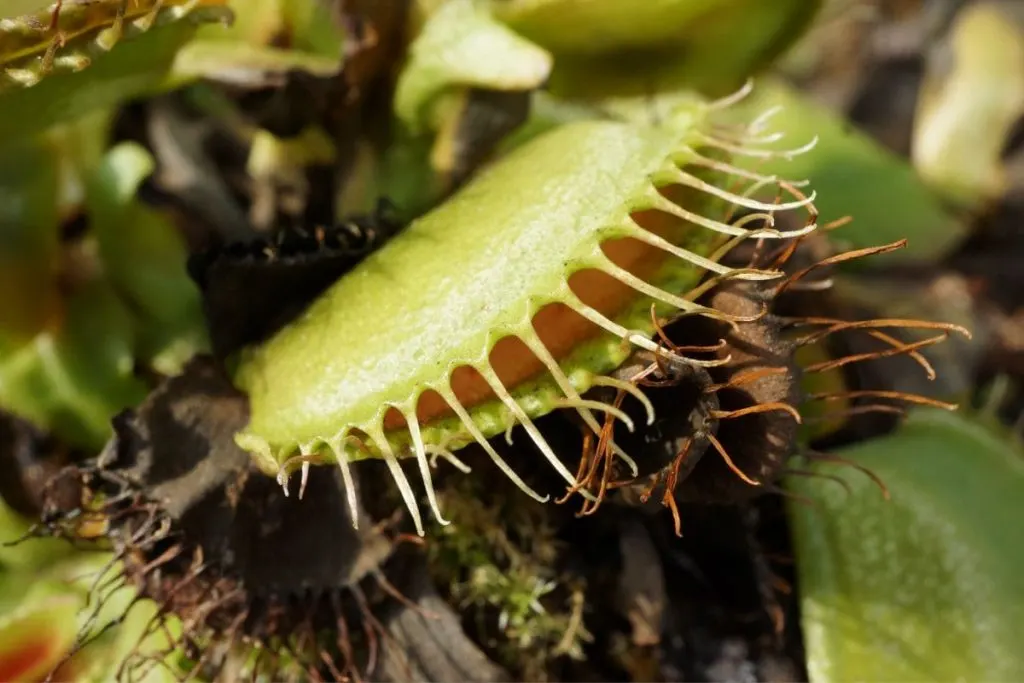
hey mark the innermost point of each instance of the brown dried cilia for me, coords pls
(245, 569)
(747, 410)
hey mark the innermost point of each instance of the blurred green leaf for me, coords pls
(713, 56)
(927, 586)
(22, 557)
(35, 636)
(720, 34)
(971, 97)
(144, 258)
(853, 176)
(47, 607)
(29, 214)
(72, 380)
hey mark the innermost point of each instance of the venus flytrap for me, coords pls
(549, 281)
(562, 247)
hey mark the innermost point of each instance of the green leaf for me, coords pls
(461, 47)
(927, 586)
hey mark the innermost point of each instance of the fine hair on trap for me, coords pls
(577, 233)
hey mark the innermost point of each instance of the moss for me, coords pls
(499, 563)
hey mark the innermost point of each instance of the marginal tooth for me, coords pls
(655, 200)
(690, 156)
(733, 98)
(743, 150)
(606, 323)
(453, 401)
(545, 448)
(762, 119)
(681, 177)
(606, 265)
(304, 480)
(700, 261)
(745, 138)
(536, 345)
(631, 389)
(341, 456)
(384, 446)
(583, 403)
(307, 453)
(421, 458)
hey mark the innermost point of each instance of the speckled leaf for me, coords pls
(927, 586)
(972, 95)
(854, 176)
